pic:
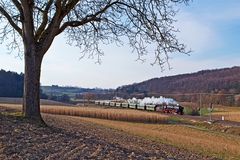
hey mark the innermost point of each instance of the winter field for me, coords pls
(114, 133)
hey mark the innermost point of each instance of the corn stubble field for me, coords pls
(179, 131)
(229, 113)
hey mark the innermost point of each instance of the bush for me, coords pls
(191, 111)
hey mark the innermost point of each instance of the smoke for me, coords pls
(153, 100)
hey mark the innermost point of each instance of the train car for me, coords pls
(125, 105)
(159, 108)
(141, 107)
(97, 102)
(150, 107)
(118, 104)
(101, 103)
(133, 105)
(112, 104)
(106, 103)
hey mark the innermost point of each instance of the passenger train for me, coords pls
(164, 108)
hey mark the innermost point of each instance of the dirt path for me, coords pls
(69, 138)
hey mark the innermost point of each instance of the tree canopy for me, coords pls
(87, 24)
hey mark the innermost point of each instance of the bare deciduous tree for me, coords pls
(88, 97)
(34, 24)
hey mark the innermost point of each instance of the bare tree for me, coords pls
(89, 97)
(33, 24)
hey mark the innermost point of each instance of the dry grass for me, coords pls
(107, 113)
(220, 108)
(229, 113)
(230, 116)
(11, 106)
(102, 113)
(208, 143)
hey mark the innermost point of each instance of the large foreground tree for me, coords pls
(31, 26)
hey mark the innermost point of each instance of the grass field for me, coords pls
(229, 113)
(190, 136)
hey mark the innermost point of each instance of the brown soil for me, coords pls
(72, 138)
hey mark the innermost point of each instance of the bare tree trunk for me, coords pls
(31, 96)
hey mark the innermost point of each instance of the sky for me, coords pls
(210, 28)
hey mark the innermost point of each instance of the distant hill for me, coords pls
(55, 89)
(218, 81)
(77, 92)
(11, 84)
(226, 80)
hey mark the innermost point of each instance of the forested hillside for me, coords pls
(11, 84)
(225, 80)
(218, 81)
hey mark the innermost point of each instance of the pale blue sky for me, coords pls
(211, 28)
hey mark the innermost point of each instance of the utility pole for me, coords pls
(210, 110)
(200, 104)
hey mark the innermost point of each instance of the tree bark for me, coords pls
(31, 96)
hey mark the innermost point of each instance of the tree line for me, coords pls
(11, 84)
(226, 80)
(222, 84)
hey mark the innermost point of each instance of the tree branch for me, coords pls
(19, 7)
(10, 20)
(48, 34)
(77, 23)
(44, 20)
(87, 19)
(68, 7)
